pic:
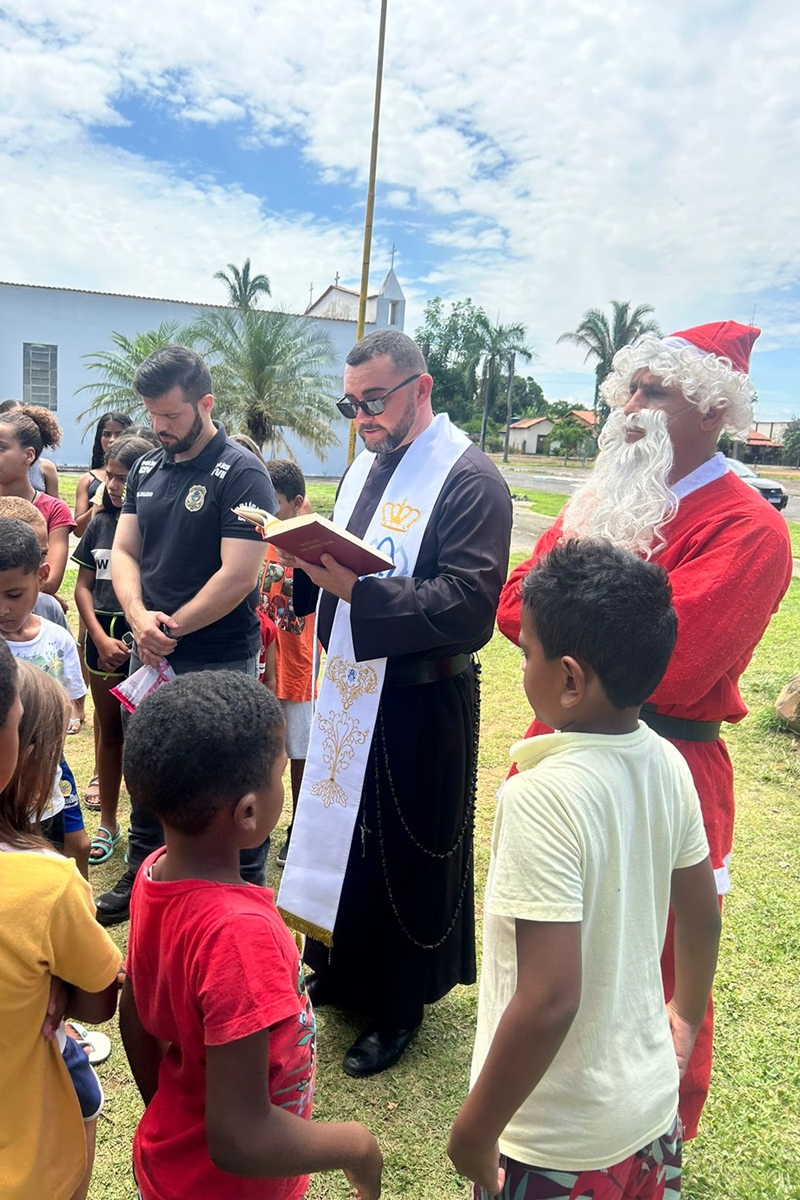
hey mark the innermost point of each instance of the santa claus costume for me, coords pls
(728, 556)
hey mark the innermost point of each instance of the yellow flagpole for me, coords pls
(373, 163)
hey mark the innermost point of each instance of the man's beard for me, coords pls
(627, 498)
(390, 441)
(187, 441)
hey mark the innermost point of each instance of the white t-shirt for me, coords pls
(591, 830)
(54, 651)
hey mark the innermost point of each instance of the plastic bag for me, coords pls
(132, 691)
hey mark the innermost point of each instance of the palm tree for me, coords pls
(271, 375)
(117, 368)
(244, 289)
(601, 339)
(496, 344)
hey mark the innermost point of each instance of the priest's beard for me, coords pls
(627, 498)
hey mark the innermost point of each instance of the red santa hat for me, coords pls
(725, 339)
(708, 363)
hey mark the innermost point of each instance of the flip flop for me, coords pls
(96, 1044)
(91, 797)
(74, 725)
(106, 841)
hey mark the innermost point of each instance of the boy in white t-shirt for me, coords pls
(577, 1057)
(51, 649)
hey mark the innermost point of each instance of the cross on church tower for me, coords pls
(394, 251)
(336, 279)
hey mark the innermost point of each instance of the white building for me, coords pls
(774, 430)
(47, 333)
(531, 435)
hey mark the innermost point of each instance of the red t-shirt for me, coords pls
(212, 963)
(55, 512)
(294, 657)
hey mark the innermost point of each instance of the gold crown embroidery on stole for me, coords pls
(399, 517)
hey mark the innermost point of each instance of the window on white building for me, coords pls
(40, 374)
(394, 306)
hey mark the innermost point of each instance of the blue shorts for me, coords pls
(73, 813)
(84, 1079)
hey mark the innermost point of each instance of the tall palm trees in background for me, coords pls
(271, 375)
(498, 345)
(601, 339)
(244, 289)
(271, 370)
(113, 391)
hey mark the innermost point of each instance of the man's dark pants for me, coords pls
(145, 834)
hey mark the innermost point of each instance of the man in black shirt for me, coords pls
(184, 567)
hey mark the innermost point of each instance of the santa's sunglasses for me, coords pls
(373, 408)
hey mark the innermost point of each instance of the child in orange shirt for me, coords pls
(294, 666)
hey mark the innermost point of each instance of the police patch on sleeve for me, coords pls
(195, 498)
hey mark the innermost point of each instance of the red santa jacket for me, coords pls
(729, 560)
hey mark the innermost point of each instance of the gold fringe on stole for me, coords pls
(300, 925)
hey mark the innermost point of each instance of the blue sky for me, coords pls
(540, 165)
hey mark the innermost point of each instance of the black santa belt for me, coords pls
(682, 728)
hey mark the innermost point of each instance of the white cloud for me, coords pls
(104, 220)
(562, 157)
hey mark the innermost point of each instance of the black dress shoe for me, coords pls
(376, 1050)
(114, 907)
(319, 991)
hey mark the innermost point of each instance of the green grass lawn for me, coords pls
(748, 1144)
(794, 534)
(546, 504)
(67, 485)
(320, 495)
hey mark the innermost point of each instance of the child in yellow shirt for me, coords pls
(48, 933)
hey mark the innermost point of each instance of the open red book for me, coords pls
(311, 536)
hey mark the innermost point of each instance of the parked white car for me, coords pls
(770, 489)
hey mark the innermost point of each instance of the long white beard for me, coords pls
(627, 498)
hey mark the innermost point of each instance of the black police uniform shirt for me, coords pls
(184, 512)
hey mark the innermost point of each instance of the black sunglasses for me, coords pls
(373, 408)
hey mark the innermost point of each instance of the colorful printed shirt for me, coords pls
(295, 643)
(53, 650)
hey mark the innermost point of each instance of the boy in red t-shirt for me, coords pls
(294, 644)
(214, 1015)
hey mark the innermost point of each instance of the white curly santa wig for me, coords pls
(708, 363)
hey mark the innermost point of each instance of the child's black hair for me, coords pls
(610, 609)
(33, 427)
(98, 453)
(146, 432)
(19, 547)
(199, 743)
(8, 680)
(126, 450)
(287, 478)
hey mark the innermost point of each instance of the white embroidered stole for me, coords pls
(347, 706)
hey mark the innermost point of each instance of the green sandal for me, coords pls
(105, 841)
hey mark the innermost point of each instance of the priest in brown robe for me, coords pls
(404, 929)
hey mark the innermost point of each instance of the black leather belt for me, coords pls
(429, 671)
(680, 727)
